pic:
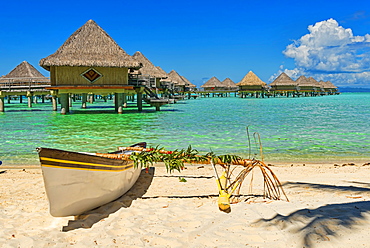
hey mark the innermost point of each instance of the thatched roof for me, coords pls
(212, 82)
(176, 78)
(188, 83)
(24, 72)
(90, 45)
(303, 81)
(251, 79)
(167, 79)
(229, 83)
(283, 79)
(148, 67)
(327, 85)
(313, 82)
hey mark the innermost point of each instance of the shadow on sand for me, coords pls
(89, 218)
(326, 221)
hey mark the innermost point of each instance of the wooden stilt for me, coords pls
(64, 103)
(84, 100)
(116, 102)
(140, 102)
(91, 98)
(54, 102)
(2, 104)
(70, 101)
(29, 99)
(124, 100)
(119, 102)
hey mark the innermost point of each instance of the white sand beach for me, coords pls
(329, 207)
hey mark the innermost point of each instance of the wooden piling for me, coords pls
(29, 99)
(1, 104)
(124, 100)
(84, 100)
(54, 102)
(140, 102)
(64, 103)
(119, 103)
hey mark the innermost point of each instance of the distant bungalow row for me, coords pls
(90, 63)
(283, 85)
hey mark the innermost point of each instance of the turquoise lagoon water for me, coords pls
(305, 129)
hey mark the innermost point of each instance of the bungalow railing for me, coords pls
(23, 84)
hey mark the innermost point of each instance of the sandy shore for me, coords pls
(329, 207)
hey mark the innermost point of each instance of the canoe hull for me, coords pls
(76, 182)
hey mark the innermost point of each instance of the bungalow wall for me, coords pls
(67, 75)
(251, 88)
(284, 87)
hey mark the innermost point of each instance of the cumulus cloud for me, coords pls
(330, 51)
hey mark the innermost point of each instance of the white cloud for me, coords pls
(331, 51)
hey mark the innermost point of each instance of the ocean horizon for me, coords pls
(325, 129)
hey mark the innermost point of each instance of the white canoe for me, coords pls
(78, 182)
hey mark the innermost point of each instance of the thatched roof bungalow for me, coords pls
(148, 70)
(313, 82)
(283, 83)
(251, 82)
(304, 84)
(90, 61)
(24, 79)
(89, 57)
(24, 73)
(328, 87)
(229, 84)
(188, 85)
(213, 84)
(177, 80)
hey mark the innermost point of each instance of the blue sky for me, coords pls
(328, 40)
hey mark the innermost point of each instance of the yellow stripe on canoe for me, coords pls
(81, 163)
(88, 169)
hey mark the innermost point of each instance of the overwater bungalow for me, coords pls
(283, 85)
(251, 85)
(150, 77)
(214, 87)
(91, 62)
(166, 82)
(230, 84)
(329, 88)
(148, 72)
(23, 80)
(178, 81)
(306, 87)
(213, 84)
(189, 87)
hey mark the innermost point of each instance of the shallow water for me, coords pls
(305, 129)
